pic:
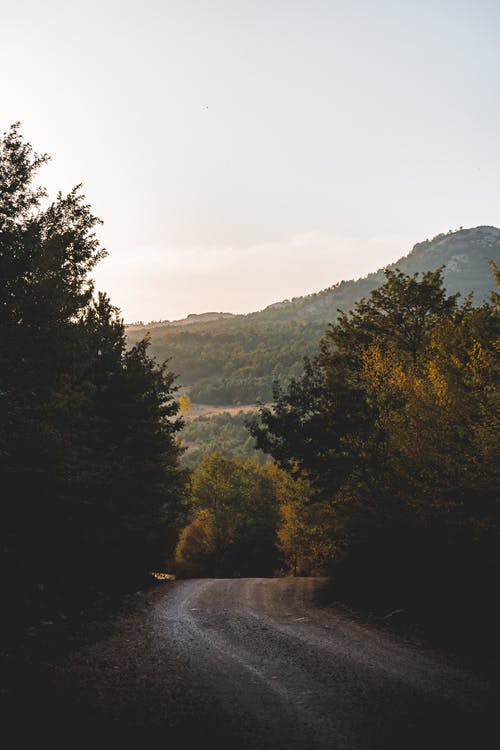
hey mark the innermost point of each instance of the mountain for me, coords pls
(226, 359)
(464, 254)
(191, 318)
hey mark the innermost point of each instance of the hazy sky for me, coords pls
(245, 151)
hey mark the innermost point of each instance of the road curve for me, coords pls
(282, 672)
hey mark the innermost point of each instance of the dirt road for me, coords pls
(255, 663)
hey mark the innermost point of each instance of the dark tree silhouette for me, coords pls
(88, 451)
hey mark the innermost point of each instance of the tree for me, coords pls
(88, 447)
(195, 554)
(233, 531)
(185, 405)
(402, 312)
(307, 528)
(442, 418)
(395, 425)
(324, 426)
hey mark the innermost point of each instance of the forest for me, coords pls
(385, 474)
(378, 454)
(89, 456)
(235, 361)
(224, 433)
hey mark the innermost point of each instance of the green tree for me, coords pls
(395, 424)
(235, 520)
(323, 425)
(88, 447)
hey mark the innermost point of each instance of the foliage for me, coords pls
(323, 425)
(195, 551)
(395, 424)
(306, 533)
(225, 433)
(185, 405)
(88, 447)
(234, 361)
(235, 516)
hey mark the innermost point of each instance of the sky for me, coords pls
(241, 152)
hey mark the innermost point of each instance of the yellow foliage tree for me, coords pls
(196, 549)
(185, 405)
(307, 530)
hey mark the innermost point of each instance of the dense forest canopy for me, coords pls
(224, 433)
(235, 361)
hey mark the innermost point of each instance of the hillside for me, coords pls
(224, 359)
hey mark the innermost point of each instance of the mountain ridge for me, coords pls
(229, 360)
(449, 246)
(452, 247)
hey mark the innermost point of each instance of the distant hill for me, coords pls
(226, 359)
(465, 255)
(191, 318)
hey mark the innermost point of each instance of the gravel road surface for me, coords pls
(257, 663)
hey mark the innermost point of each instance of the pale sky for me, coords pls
(245, 151)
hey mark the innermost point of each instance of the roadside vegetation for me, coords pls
(89, 456)
(386, 463)
(395, 426)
